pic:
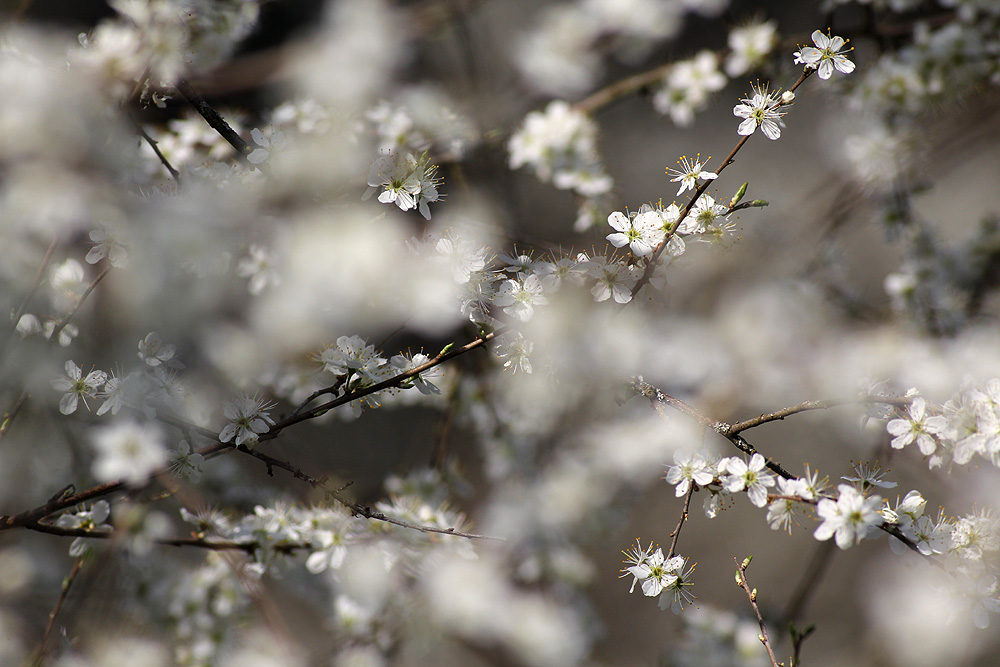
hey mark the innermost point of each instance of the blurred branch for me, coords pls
(50, 624)
(156, 149)
(35, 284)
(818, 566)
(83, 297)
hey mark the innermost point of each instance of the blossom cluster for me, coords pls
(854, 513)
(669, 579)
(952, 434)
(165, 38)
(560, 145)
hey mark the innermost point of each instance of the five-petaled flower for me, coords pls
(248, 418)
(78, 387)
(762, 109)
(825, 56)
(850, 518)
(689, 173)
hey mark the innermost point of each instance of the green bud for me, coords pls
(739, 194)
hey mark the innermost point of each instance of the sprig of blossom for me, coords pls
(351, 353)
(614, 279)
(265, 145)
(515, 351)
(560, 144)
(781, 511)
(258, 267)
(688, 87)
(677, 593)
(107, 245)
(825, 56)
(422, 381)
(656, 572)
(908, 517)
(154, 352)
(669, 579)
(185, 462)
(705, 214)
(868, 476)
(518, 297)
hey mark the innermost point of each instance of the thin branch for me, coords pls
(202, 543)
(779, 415)
(35, 284)
(332, 389)
(213, 118)
(64, 321)
(656, 396)
(621, 88)
(741, 581)
(57, 503)
(50, 624)
(805, 406)
(156, 148)
(674, 536)
(12, 413)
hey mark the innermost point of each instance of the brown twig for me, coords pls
(741, 581)
(806, 406)
(656, 396)
(779, 415)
